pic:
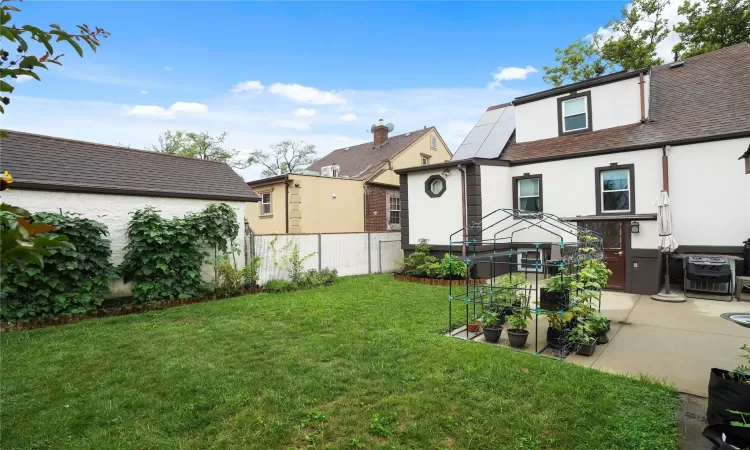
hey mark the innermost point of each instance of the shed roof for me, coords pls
(53, 163)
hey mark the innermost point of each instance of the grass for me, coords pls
(360, 364)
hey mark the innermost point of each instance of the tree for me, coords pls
(631, 45)
(711, 25)
(284, 157)
(19, 61)
(200, 146)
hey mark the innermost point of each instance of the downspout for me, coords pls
(641, 83)
(665, 187)
(365, 203)
(286, 204)
(463, 209)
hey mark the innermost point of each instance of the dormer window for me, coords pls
(335, 171)
(574, 113)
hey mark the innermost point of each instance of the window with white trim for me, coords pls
(528, 195)
(265, 204)
(615, 195)
(394, 210)
(425, 160)
(335, 171)
(433, 142)
(575, 114)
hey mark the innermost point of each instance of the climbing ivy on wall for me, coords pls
(71, 281)
(163, 257)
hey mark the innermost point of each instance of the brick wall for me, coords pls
(376, 208)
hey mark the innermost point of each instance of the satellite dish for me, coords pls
(390, 127)
(372, 128)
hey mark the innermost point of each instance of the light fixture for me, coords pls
(635, 227)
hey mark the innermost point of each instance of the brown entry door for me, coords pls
(613, 233)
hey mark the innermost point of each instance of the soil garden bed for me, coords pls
(437, 281)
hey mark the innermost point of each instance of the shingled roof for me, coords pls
(52, 163)
(703, 99)
(362, 161)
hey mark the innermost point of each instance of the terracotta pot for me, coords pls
(474, 327)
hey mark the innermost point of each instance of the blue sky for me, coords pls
(318, 72)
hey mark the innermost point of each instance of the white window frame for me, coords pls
(601, 194)
(521, 256)
(335, 171)
(538, 193)
(585, 113)
(433, 142)
(391, 197)
(263, 203)
(425, 160)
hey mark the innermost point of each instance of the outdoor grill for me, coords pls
(708, 275)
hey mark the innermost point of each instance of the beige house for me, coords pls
(353, 189)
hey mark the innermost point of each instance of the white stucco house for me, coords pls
(106, 183)
(598, 153)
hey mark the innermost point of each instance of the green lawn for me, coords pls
(360, 364)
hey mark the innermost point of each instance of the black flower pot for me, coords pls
(518, 338)
(587, 349)
(553, 300)
(602, 338)
(492, 334)
(555, 338)
(725, 394)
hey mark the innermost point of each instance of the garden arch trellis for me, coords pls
(500, 255)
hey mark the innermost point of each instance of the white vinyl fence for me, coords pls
(348, 253)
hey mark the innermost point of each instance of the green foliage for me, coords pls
(631, 45)
(278, 285)
(558, 320)
(74, 279)
(19, 59)
(382, 425)
(250, 271)
(511, 290)
(581, 334)
(451, 267)
(595, 320)
(711, 25)
(163, 257)
(284, 157)
(420, 263)
(741, 373)
(291, 259)
(229, 280)
(199, 146)
(493, 318)
(561, 283)
(23, 242)
(519, 319)
(321, 277)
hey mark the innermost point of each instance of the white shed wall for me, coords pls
(114, 211)
(434, 219)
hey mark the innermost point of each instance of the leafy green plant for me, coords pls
(558, 320)
(382, 425)
(250, 272)
(595, 320)
(581, 334)
(451, 267)
(163, 257)
(493, 319)
(519, 319)
(320, 277)
(278, 285)
(291, 260)
(74, 279)
(420, 263)
(561, 283)
(511, 290)
(229, 280)
(741, 373)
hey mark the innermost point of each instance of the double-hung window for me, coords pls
(425, 160)
(394, 210)
(575, 114)
(265, 204)
(615, 191)
(527, 193)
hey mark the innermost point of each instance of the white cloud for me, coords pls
(294, 125)
(510, 73)
(348, 117)
(21, 79)
(305, 112)
(143, 91)
(248, 86)
(167, 68)
(158, 111)
(306, 94)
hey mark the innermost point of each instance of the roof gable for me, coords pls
(52, 163)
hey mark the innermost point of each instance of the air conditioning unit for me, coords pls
(326, 171)
(527, 259)
(708, 277)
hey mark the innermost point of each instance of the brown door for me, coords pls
(613, 233)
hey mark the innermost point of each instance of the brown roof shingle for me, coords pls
(705, 98)
(52, 163)
(364, 160)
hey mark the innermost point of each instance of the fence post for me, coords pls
(369, 254)
(320, 258)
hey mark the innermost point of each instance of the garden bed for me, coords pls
(437, 281)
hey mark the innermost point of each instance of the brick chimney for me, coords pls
(380, 132)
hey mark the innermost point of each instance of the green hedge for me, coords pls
(70, 282)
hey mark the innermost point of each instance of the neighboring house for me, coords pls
(598, 153)
(355, 189)
(107, 183)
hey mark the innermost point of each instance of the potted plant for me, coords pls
(600, 326)
(729, 390)
(555, 296)
(583, 338)
(475, 324)
(559, 324)
(518, 334)
(492, 325)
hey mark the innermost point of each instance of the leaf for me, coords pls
(14, 210)
(5, 32)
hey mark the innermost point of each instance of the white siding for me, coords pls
(434, 219)
(612, 105)
(709, 193)
(114, 211)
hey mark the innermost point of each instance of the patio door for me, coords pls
(613, 233)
